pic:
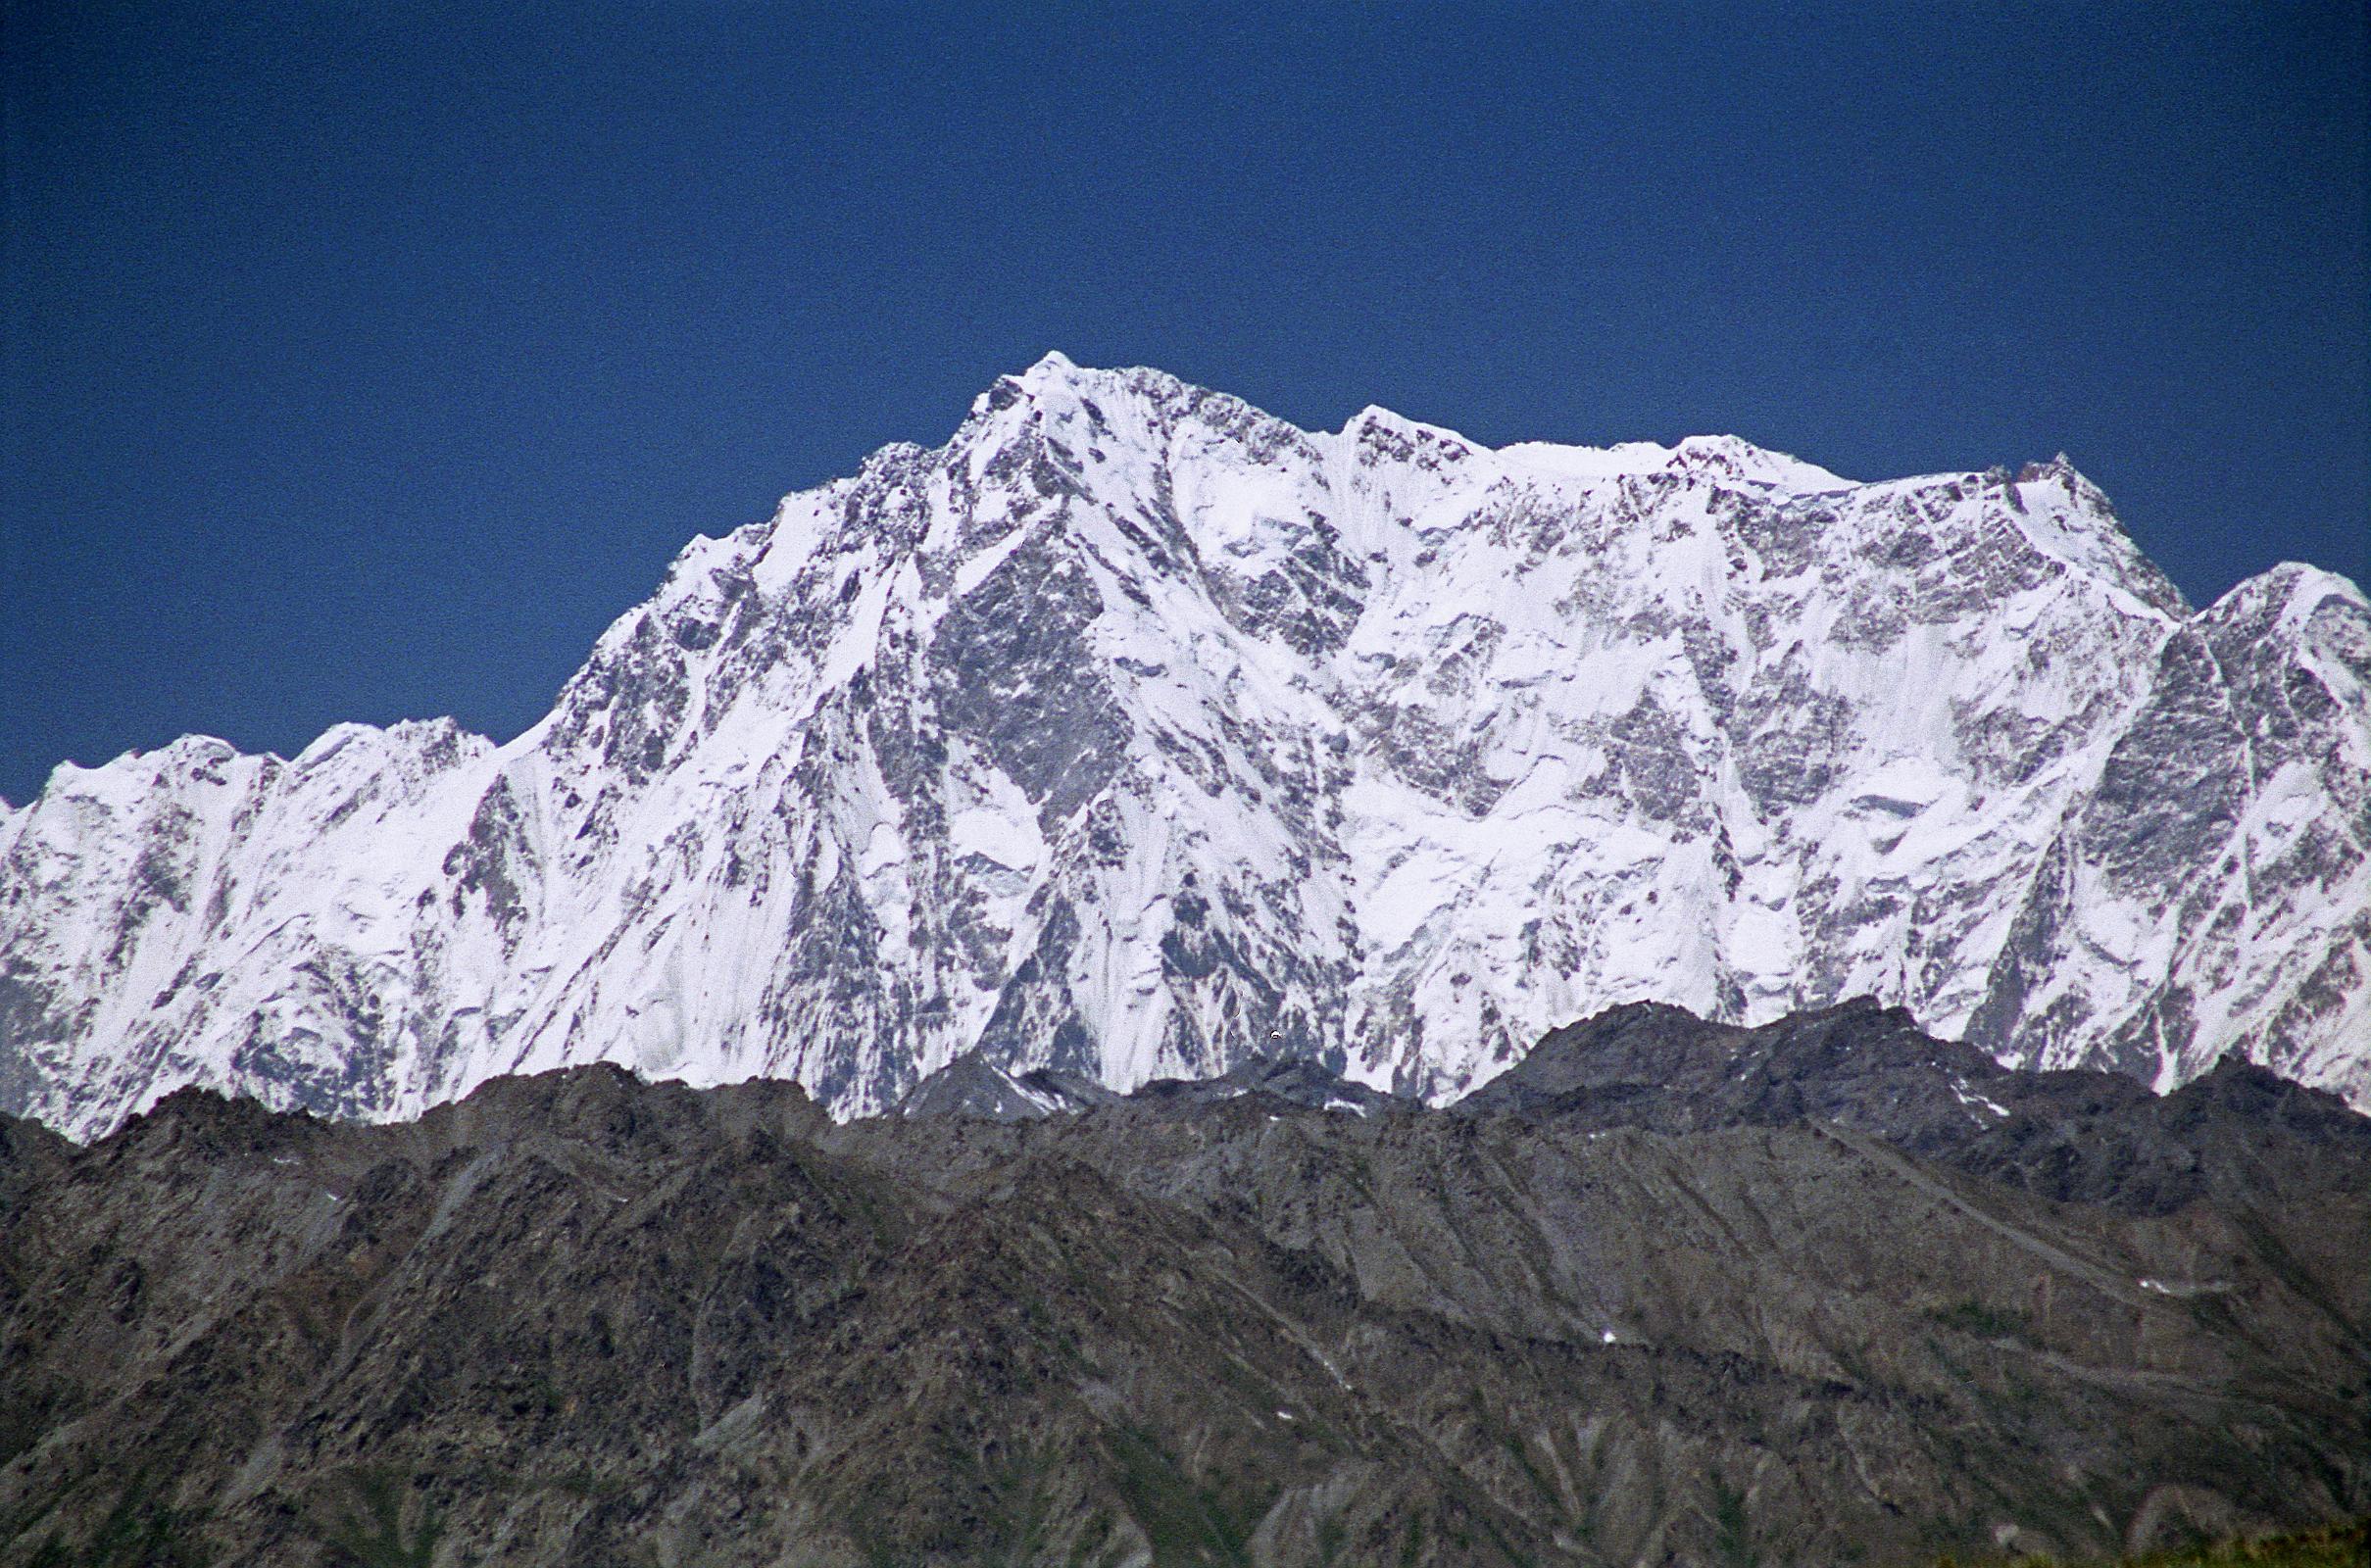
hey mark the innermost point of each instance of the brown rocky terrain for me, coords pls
(1824, 1292)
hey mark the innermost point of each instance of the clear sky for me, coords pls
(362, 361)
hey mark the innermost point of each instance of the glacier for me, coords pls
(1137, 733)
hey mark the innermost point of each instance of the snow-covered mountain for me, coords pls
(1135, 732)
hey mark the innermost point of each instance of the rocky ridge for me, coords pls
(1839, 1291)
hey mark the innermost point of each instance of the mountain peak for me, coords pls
(1057, 382)
(1134, 733)
(1053, 366)
(2296, 583)
(2061, 470)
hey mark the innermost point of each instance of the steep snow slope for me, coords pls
(1135, 732)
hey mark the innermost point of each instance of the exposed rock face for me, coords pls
(1881, 1300)
(2237, 1137)
(1135, 733)
(974, 1087)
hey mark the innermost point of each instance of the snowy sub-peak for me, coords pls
(1137, 734)
(1725, 458)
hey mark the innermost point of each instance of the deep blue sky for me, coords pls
(362, 361)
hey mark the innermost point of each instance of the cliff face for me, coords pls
(1135, 733)
(1838, 1292)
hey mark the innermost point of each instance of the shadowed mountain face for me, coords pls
(2239, 1135)
(1828, 1290)
(1135, 733)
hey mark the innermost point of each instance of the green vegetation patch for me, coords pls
(139, 1532)
(369, 1532)
(2333, 1546)
(1185, 1523)
(1971, 1316)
